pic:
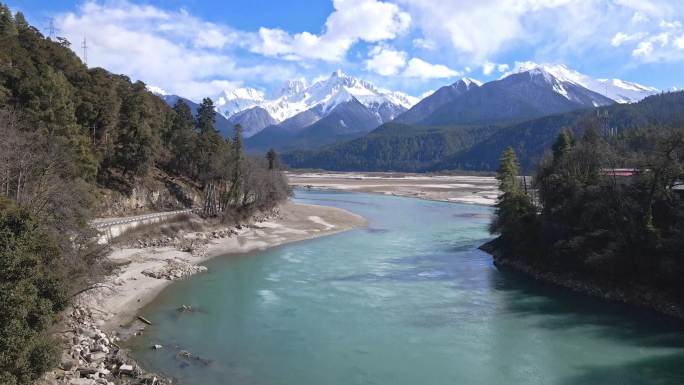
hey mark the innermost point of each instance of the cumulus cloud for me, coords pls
(385, 61)
(371, 21)
(478, 31)
(479, 28)
(172, 50)
(418, 68)
(488, 68)
(621, 38)
(424, 43)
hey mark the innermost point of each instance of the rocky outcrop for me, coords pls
(175, 269)
(157, 192)
(91, 356)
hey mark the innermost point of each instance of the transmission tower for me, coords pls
(51, 29)
(85, 51)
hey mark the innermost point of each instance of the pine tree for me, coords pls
(272, 158)
(238, 155)
(206, 117)
(7, 25)
(20, 22)
(181, 138)
(514, 211)
(135, 145)
(507, 175)
(562, 145)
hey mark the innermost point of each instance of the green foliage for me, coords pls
(393, 147)
(181, 139)
(64, 130)
(272, 158)
(136, 142)
(515, 214)
(401, 147)
(601, 223)
(32, 292)
(7, 24)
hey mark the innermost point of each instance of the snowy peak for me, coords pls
(292, 87)
(466, 84)
(156, 90)
(626, 92)
(230, 102)
(560, 76)
(296, 96)
(469, 82)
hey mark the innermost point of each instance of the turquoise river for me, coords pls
(410, 300)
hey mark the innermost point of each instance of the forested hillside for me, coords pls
(392, 147)
(397, 147)
(605, 213)
(67, 131)
(531, 139)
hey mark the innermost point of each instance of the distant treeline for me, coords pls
(65, 131)
(605, 208)
(414, 148)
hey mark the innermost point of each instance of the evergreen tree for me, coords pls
(134, 147)
(238, 155)
(509, 183)
(20, 22)
(515, 213)
(181, 138)
(272, 158)
(51, 107)
(206, 117)
(7, 25)
(562, 145)
(31, 294)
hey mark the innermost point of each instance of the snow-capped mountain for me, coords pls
(292, 87)
(332, 109)
(231, 102)
(615, 89)
(296, 97)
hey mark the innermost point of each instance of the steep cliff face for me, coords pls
(157, 192)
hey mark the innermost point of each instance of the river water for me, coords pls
(409, 300)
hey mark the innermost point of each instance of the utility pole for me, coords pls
(85, 51)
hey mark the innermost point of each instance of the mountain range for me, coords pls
(465, 114)
(343, 117)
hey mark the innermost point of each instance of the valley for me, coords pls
(481, 190)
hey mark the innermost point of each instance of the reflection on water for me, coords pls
(409, 300)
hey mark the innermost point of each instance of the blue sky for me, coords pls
(198, 48)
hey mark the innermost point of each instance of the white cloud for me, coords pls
(639, 17)
(621, 38)
(371, 21)
(418, 68)
(426, 44)
(479, 28)
(479, 31)
(488, 68)
(172, 50)
(426, 94)
(644, 49)
(385, 61)
(679, 42)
